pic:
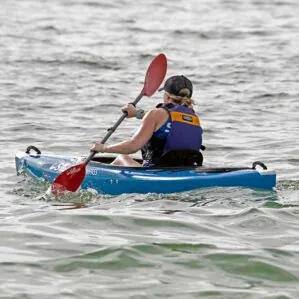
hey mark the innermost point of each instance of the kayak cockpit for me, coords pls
(183, 158)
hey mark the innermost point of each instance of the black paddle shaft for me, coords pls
(112, 129)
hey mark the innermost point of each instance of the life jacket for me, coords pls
(182, 130)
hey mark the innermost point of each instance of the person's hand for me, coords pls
(98, 147)
(130, 109)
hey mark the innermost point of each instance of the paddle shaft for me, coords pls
(112, 129)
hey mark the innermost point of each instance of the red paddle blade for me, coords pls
(155, 75)
(69, 180)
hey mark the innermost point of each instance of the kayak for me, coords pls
(115, 180)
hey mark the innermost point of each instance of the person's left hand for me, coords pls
(98, 147)
(130, 109)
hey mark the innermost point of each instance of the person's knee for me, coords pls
(125, 160)
(120, 160)
(117, 161)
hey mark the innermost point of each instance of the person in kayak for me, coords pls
(172, 125)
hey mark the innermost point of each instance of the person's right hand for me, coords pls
(130, 109)
(98, 148)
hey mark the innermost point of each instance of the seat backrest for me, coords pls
(180, 158)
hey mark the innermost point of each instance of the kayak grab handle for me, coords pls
(32, 147)
(259, 163)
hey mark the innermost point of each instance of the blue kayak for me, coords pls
(115, 180)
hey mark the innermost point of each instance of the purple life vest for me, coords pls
(184, 132)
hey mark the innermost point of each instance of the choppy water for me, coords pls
(66, 69)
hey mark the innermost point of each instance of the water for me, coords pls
(66, 69)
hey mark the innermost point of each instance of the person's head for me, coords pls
(178, 90)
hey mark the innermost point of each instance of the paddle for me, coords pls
(71, 178)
